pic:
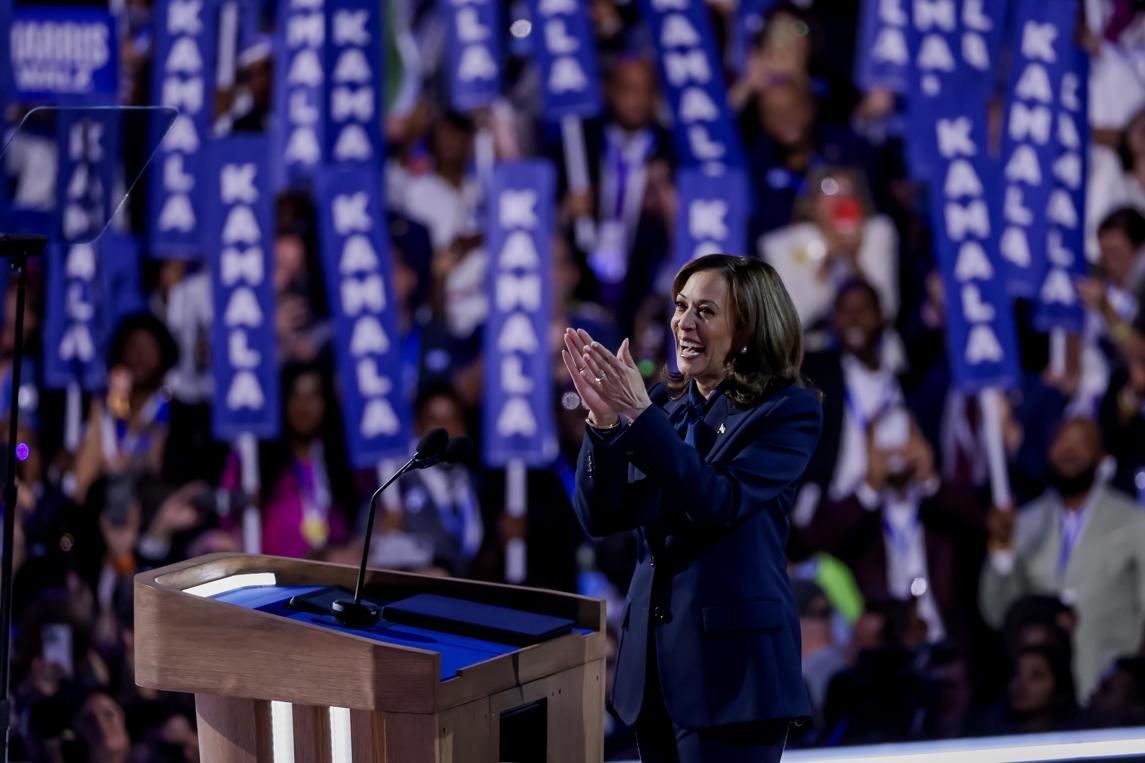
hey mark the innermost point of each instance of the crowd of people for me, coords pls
(926, 610)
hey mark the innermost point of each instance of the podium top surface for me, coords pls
(456, 651)
(221, 625)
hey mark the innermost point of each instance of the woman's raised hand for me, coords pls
(616, 379)
(576, 345)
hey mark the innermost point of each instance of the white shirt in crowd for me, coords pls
(445, 210)
(905, 541)
(869, 393)
(189, 315)
(449, 212)
(797, 251)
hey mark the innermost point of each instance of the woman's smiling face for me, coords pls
(702, 327)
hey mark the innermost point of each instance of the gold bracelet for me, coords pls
(588, 420)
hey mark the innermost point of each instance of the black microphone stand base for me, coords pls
(356, 614)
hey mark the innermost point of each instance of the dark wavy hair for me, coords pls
(765, 323)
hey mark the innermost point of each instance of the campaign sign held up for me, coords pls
(354, 66)
(566, 58)
(712, 213)
(75, 315)
(981, 337)
(62, 53)
(690, 69)
(518, 415)
(475, 52)
(883, 52)
(359, 285)
(1058, 302)
(183, 77)
(1042, 52)
(240, 236)
(299, 89)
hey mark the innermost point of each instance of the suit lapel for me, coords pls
(1092, 546)
(726, 419)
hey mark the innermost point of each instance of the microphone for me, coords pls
(431, 446)
(457, 450)
(431, 449)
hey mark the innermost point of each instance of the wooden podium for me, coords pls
(217, 626)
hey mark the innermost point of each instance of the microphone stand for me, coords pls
(19, 248)
(432, 449)
(354, 613)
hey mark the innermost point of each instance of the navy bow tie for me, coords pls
(695, 408)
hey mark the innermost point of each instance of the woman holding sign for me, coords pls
(704, 467)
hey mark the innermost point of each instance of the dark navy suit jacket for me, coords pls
(711, 583)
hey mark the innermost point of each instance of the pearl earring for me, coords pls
(743, 350)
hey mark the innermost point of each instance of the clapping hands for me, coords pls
(609, 385)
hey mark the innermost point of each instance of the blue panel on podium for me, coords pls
(457, 652)
(474, 618)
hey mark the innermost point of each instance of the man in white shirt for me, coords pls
(858, 384)
(447, 201)
(1082, 541)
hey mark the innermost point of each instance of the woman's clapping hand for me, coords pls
(612, 382)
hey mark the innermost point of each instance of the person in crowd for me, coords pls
(836, 236)
(127, 429)
(782, 51)
(1122, 417)
(1111, 298)
(1119, 699)
(302, 333)
(572, 304)
(101, 726)
(252, 107)
(902, 531)
(822, 657)
(946, 669)
(445, 200)
(307, 492)
(626, 141)
(1040, 695)
(881, 697)
(718, 450)
(1037, 620)
(1116, 177)
(1081, 540)
(858, 380)
(785, 142)
(188, 313)
(439, 509)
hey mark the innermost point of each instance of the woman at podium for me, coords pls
(704, 468)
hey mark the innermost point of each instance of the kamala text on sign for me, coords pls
(88, 151)
(184, 79)
(1058, 303)
(475, 53)
(566, 57)
(883, 55)
(243, 339)
(354, 45)
(980, 326)
(64, 52)
(357, 269)
(518, 401)
(299, 95)
(691, 71)
(1040, 47)
(713, 213)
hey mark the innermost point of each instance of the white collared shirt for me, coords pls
(871, 392)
